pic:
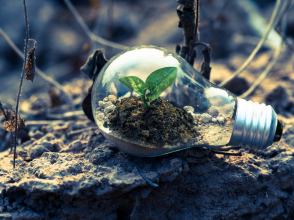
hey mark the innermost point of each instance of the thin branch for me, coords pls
(135, 206)
(278, 29)
(227, 153)
(40, 72)
(87, 30)
(47, 122)
(195, 34)
(264, 74)
(285, 39)
(228, 148)
(259, 45)
(21, 79)
(145, 178)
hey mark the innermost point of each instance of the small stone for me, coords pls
(127, 95)
(214, 120)
(100, 103)
(192, 113)
(112, 98)
(109, 109)
(100, 116)
(104, 104)
(196, 117)
(188, 108)
(213, 111)
(221, 120)
(36, 135)
(205, 118)
(105, 99)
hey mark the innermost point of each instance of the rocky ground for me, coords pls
(66, 169)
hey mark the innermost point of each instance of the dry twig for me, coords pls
(264, 74)
(87, 30)
(40, 72)
(21, 79)
(275, 57)
(279, 29)
(271, 24)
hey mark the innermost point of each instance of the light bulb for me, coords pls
(191, 112)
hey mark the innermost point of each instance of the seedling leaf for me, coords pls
(135, 84)
(160, 80)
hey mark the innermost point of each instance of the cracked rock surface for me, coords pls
(90, 179)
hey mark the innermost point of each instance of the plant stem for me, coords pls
(21, 80)
(146, 101)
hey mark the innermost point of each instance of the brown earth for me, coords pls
(82, 176)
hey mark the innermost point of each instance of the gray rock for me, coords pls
(188, 108)
(221, 120)
(45, 144)
(213, 111)
(109, 109)
(104, 104)
(205, 118)
(112, 98)
(36, 135)
(92, 184)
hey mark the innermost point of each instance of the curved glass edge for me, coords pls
(210, 90)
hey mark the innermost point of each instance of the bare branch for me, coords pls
(40, 72)
(264, 73)
(87, 30)
(227, 153)
(271, 24)
(195, 34)
(21, 79)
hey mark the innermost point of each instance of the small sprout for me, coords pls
(156, 83)
(30, 65)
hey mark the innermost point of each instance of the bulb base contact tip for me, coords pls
(256, 125)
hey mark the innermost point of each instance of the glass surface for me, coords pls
(211, 107)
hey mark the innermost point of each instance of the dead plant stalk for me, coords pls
(21, 79)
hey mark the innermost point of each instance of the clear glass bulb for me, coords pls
(191, 112)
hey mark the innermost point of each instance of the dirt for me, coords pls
(164, 124)
(83, 176)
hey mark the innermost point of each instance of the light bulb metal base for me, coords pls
(255, 125)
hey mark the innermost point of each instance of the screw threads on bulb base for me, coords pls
(255, 125)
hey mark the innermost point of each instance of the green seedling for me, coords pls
(156, 83)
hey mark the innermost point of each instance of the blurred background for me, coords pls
(232, 28)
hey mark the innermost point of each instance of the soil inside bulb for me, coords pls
(163, 123)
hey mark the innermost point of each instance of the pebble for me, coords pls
(213, 111)
(205, 118)
(100, 116)
(105, 99)
(221, 120)
(188, 108)
(104, 104)
(196, 117)
(112, 98)
(214, 120)
(109, 109)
